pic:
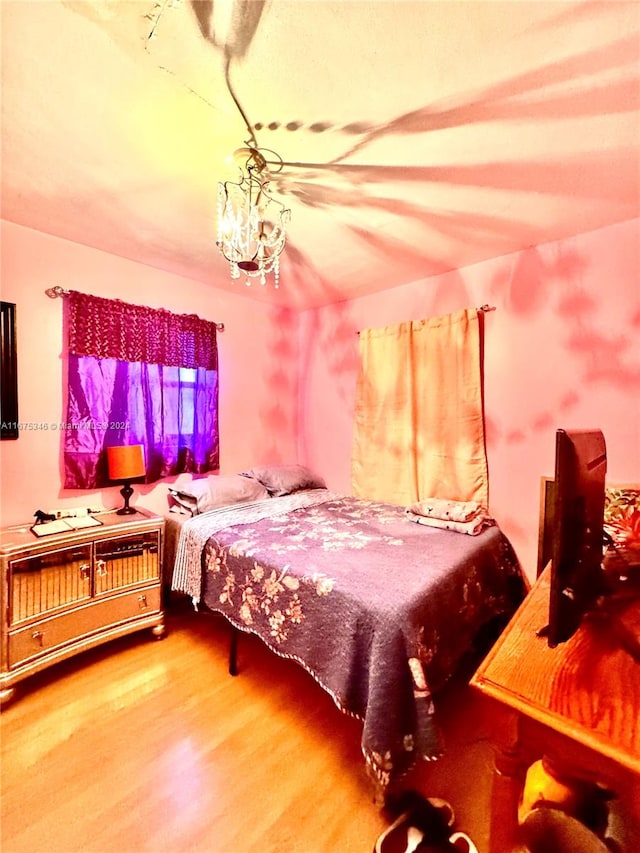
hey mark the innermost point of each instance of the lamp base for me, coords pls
(126, 491)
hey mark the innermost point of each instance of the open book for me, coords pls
(63, 525)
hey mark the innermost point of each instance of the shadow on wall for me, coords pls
(332, 337)
(279, 376)
(540, 284)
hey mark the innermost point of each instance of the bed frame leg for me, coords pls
(233, 651)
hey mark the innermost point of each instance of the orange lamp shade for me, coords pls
(126, 462)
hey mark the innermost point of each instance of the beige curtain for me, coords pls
(419, 426)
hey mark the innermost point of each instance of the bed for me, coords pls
(379, 610)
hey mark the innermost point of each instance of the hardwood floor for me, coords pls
(151, 746)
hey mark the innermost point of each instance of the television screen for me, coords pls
(577, 530)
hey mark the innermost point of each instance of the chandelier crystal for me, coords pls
(251, 223)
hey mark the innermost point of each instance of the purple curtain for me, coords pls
(138, 375)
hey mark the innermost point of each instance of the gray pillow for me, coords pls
(216, 491)
(281, 480)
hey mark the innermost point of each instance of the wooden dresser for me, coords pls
(577, 705)
(67, 592)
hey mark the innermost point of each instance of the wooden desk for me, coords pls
(577, 704)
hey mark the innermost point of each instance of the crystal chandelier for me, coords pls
(251, 223)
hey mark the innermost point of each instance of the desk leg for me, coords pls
(508, 779)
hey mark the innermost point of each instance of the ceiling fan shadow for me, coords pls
(494, 102)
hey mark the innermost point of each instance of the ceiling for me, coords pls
(417, 137)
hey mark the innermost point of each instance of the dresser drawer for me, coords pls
(41, 637)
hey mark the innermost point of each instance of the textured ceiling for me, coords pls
(417, 136)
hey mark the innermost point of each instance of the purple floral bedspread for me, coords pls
(379, 609)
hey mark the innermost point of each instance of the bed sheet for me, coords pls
(379, 609)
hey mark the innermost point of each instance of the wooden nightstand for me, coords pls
(67, 592)
(577, 704)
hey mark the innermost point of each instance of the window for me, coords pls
(138, 376)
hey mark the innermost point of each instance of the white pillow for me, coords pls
(216, 491)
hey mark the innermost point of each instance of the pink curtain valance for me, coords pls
(110, 328)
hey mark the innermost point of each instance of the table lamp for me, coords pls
(126, 463)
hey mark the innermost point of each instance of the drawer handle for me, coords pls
(101, 568)
(142, 602)
(38, 637)
(85, 571)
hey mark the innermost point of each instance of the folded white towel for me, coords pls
(472, 528)
(447, 510)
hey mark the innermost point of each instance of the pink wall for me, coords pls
(562, 350)
(257, 351)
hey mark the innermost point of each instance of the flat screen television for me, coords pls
(577, 578)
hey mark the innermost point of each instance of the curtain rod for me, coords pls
(56, 290)
(485, 308)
